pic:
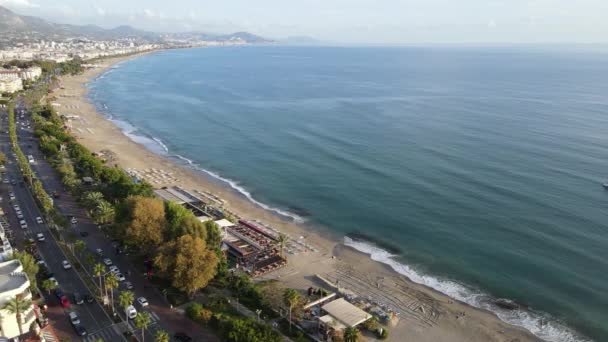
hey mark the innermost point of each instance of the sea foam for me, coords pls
(539, 323)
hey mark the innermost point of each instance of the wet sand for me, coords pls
(425, 314)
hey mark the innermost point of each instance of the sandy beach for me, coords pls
(425, 314)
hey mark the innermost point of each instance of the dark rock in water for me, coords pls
(506, 304)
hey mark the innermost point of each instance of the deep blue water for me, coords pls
(480, 168)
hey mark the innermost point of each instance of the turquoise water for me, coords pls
(474, 171)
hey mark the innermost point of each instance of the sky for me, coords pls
(347, 21)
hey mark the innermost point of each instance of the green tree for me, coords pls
(214, 235)
(188, 263)
(291, 298)
(111, 284)
(79, 247)
(98, 271)
(89, 260)
(351, 334)
(48, 285)
(92, 198)
(146, 218)
(142, 321)
(282, 240)
(103, 213)
(161, 336)
(125, 299)
(17, 306)
(30, 266)
(2, 158)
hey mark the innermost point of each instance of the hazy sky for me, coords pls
(348, 21)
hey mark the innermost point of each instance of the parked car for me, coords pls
(40, 237)
(128, 285)
(23, 224)
(107, 262)
(66, 265)
(39, 220)
(142, 301)
(120, 277)
(114, 269)
(78, 299)
(80, 330)
(88, 298)
(131, 312)
(74, 319)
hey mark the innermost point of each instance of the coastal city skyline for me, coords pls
(348, 22)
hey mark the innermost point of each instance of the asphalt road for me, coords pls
(92, 316)
(162, 316)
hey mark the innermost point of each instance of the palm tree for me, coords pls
(48, 285)
(125, 299)
(91, 199)
(351, 334)
(79, 247)
(111, 284)
(89, 260)
(99, 270)
(16, 306)
(161, 336)
(103, 213)
(142, 320)
(291, 298)
(282, 239)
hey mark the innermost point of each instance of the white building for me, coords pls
(31, 73)
(14, 282)
(11, 86)
(9, 75)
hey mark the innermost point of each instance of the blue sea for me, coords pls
(475, 171)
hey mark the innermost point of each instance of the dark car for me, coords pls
(88, 298)
(80, 330)
(182, 337)
(78, 299)
(84, 234)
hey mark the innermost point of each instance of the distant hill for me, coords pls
(37, 28)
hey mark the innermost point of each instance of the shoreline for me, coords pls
(455, 320)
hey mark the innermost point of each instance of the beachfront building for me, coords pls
(11, 85)
(30, 74)
(339, 315)
(14, 283)
(9, 75)
(254, 249)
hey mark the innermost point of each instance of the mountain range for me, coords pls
(13, 24)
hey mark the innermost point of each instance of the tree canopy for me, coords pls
(187, 262)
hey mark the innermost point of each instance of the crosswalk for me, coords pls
(48, 336)
(113, 333)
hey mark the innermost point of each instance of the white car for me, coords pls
(73, 220)
(120, 277)
(54, 281)
(131, 312)
(128, 285)
(20, 215)
(40, 237)
(142, 301)
(74, 318)
(107, 262)
(66, 265)
(114, 269)
(39, 220)
(23, 224)
(16, 206)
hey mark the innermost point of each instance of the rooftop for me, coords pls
(345, 313)
(11, 275)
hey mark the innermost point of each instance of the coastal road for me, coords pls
(92, 316)
(163, 316)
